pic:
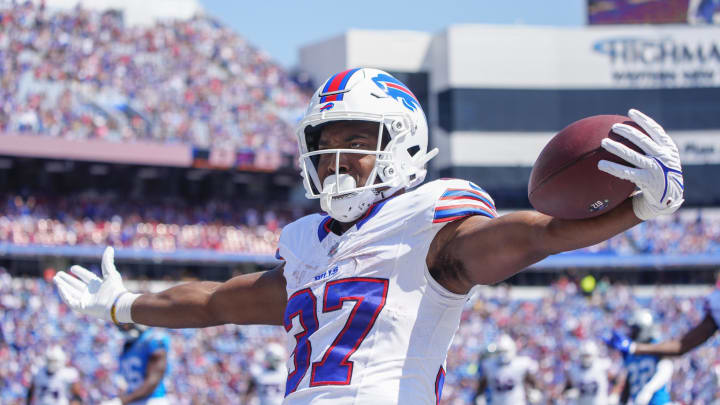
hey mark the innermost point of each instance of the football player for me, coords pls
(646, 376)
(56, 383)
(483, 396)
(371, 291)
(507, 375)
(692, 338)
(589, 380)
(268, 380)
(143, 366)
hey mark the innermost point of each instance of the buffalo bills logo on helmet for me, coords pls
(396, 89)
(327, 106)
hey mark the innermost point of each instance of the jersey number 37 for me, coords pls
(335, 367)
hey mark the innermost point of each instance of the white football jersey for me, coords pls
(712, 306)
(270, 386)
(506, 382)
(54, 389)
(591, 382)
(366, 322)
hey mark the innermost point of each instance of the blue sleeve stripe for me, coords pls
(447, 195)
(457, 213)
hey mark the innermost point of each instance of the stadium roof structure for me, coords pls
(136, 12)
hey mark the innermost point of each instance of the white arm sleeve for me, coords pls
(662, 376)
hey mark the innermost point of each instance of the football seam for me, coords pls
(547, 178)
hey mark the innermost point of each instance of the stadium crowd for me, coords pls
(212, 365)
(688, 231)
(99, 220)
(82, 74)
(140, 224)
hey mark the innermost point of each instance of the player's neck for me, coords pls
(342, 227)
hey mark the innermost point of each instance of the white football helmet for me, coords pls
(55, 359)
(371, 95)
(588, 354)
(506, 349)
(641, 326)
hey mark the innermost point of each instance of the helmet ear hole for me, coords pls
(385, 138)
(312, 137)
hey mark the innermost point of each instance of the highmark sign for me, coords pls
(665, 61)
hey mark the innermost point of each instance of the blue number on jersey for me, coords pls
(640, 370)
(335, 368)
(302, 304)
(133, 362)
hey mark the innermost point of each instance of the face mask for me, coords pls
(53, 366)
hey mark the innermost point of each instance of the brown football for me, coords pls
(565, 181)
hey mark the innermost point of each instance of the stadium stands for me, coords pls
(83, 74)
(219, 226)
(162, 227)
(212, 365)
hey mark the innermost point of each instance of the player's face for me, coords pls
(348, 135)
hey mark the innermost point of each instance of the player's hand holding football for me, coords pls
(657, 174)
(105, 298)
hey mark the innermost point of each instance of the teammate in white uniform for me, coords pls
(56, 383)
(268, 381)
(371, 293)
(507, 375)
(589, 381)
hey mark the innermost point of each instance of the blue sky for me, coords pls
(281, 27)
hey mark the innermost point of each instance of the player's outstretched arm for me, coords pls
(692, 339)
(257, 298)
(477, 250)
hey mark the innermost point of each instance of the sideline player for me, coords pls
(56, 383)
(677, 347)
(647, 376)
(371, 293)
(483, 397)
(507, 375)
(143, 366)
(589, 380)
(268, 380)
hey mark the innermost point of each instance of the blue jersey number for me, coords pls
(335, 367)
(639, 373)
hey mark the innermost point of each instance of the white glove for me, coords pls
(658, 173)
(613, 399)
(90, 295)
(114, 401)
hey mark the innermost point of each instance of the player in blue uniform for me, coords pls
(693, 338)
(648, 376)
(143, 366)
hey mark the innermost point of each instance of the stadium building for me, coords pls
(495, 95)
